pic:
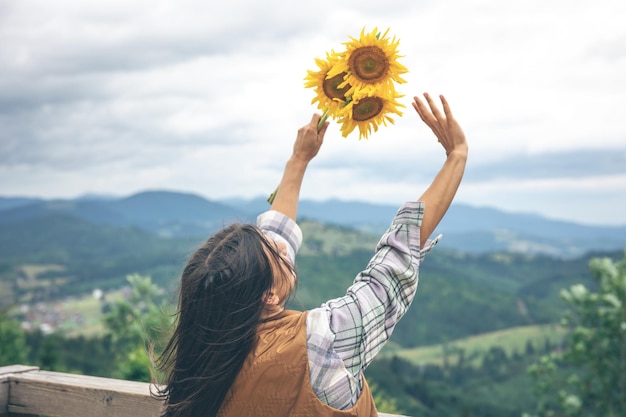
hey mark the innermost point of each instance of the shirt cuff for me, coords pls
(282, 228)
(412, 213)
(430, 243)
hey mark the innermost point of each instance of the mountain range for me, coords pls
(465, 228)
(54, 253)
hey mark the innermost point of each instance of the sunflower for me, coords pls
(369, 64)
(328, 95)
(367, 113)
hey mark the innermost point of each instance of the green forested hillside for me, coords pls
(85, 256)
(458, 295)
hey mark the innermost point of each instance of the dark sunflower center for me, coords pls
(367, 108)
(369, 63)
(331, 87)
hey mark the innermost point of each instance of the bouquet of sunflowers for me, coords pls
(357, 87)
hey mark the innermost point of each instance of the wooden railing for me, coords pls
(26, 390)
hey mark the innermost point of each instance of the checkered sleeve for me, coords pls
(345, 334)
(280, 227)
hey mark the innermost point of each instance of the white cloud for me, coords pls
(118, 96)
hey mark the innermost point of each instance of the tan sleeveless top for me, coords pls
(274, 380)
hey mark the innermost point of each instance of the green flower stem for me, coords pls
(270, 199)
(323, 119)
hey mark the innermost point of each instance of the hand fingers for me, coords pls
(446, 108)
(322, 131)
(421, 109)
(433, 107)
(315, 120)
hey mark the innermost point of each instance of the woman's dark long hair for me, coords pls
(221, 300)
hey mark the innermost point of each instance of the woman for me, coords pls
(236, 352)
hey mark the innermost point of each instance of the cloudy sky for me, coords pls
(116, 97)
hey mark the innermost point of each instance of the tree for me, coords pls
(136, 325)
(13, 349)
(588, 376)
(384, 403)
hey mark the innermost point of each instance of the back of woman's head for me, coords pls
(222, 292)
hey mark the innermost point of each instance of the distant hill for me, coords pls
(161, 212)
(7, 203)
(469, 229)
(465, 228)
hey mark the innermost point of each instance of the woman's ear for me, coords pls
(271, 299)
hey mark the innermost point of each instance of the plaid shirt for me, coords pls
(345, 334)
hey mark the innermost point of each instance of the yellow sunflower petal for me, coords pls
(357, 86)
(367, 113)
(369, 63)
(330, 92)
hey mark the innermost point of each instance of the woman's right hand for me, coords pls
(309, 139)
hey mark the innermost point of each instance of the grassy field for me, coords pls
(73, 316)
(85, 314)
(511, 340)
(31, 272)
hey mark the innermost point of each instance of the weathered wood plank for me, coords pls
(5, 374)
(57, 394)
(26, 391)
(4, 394)
(16, 369)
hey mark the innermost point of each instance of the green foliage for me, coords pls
(384, 402)
(12, 342)
(136, 366)
(137, 325)
(497, 385)
(588, 377)
(83, 355)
